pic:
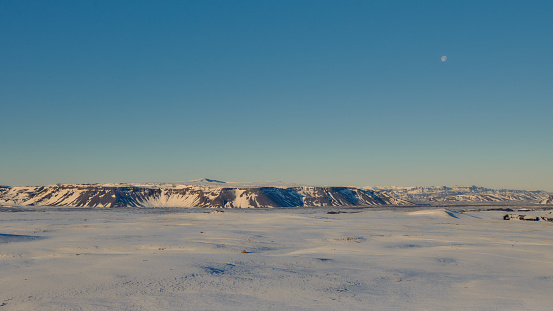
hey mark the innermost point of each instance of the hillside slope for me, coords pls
(547, 200)
(171, 195)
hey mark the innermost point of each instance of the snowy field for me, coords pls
(277, 259)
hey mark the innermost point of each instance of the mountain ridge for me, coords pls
(180, 195)
(475, 194)
(206, 192)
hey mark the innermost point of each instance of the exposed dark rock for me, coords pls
(521, 217)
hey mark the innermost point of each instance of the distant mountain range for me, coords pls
(213, 193)
(474, 194)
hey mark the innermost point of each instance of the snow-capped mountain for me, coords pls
(199, 193)
(460, 194)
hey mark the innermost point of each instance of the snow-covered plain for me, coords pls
(277, 259)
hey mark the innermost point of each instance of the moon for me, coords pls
(444, 58)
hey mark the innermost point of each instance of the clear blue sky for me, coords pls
(318, 92)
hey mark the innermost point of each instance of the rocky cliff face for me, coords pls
(167, 195)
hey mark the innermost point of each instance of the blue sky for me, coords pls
(318, 92)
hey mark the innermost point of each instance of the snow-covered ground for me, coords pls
(273, 259)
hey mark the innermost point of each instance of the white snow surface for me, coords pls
(273, 259)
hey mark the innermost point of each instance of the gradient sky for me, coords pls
(317, 92)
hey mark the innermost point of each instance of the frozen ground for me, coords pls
(294, 259)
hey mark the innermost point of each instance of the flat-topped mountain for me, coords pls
(199, 193)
